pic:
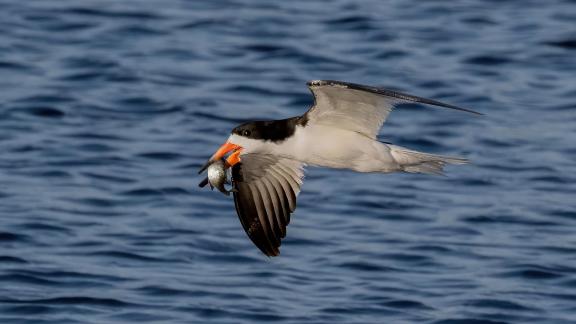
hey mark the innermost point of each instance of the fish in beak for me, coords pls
(221, 152)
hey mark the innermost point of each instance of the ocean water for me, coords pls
(108, 108)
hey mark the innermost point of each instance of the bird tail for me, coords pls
(418, 162)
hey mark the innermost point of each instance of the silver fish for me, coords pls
(217, 177)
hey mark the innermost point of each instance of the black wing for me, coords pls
(266, 190)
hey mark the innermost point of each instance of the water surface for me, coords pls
(108, 108)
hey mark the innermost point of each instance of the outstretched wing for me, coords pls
(358, 108)
(265, 194)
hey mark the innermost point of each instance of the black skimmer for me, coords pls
(339, 131)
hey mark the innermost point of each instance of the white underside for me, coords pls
(331, 147)
(339, 148)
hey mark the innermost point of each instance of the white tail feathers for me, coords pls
(418, 162)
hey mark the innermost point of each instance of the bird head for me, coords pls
(242, 140)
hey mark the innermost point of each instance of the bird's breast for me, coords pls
(328, 146)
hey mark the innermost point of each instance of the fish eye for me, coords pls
(246, 132)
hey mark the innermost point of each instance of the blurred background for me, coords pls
(108, 108)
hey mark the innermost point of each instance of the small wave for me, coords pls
(14, 66)
(109, 178)
(28, 279)
(46, 98)
(366, 266)
(13, 237)
(161, 291)
(407, 304)
(5, 259)
(32, 226)
(45, 112)
(537, 272)
(491, 60)
(72, 300)
(163, 156)
(469, 321)
(352, 23)
(109, 13)
(569, 43)
(144, 192)
(127, 256)
(24, 310)
(497, 304)
(509, 219)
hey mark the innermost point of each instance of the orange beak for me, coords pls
(221, 152)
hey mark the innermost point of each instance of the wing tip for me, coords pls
(271, 254)
(269, 250)
(203, 183)
(466, 110)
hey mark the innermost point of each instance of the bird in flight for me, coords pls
(339, 131)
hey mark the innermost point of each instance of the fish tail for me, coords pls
(203, 183)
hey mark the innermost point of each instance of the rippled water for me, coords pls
(107, 109)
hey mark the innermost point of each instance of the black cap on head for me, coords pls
(268, 130)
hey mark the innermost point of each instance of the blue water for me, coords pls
(108, 108)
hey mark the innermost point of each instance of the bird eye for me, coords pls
(246, 132)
